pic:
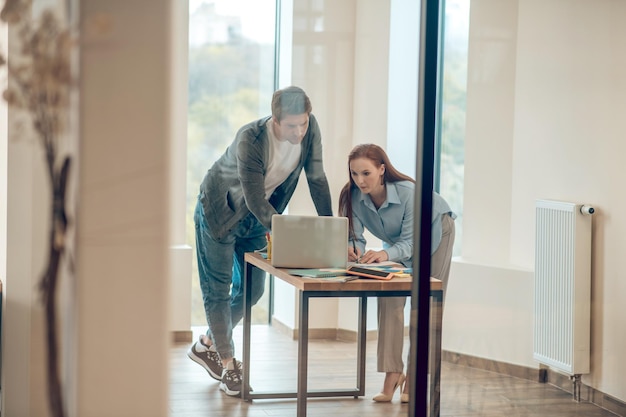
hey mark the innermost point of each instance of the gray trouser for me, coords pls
(391, 309)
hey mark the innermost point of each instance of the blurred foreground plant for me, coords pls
(39, 84)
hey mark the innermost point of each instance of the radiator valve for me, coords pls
(585, 209)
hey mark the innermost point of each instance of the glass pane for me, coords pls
(360, 67)
(231, 81)
(453, 93)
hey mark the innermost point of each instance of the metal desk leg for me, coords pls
(247, 320)
(303, 351)
(436, 316)
(270, 307)
(362, 342)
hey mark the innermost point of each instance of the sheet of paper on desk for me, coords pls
(318, 273)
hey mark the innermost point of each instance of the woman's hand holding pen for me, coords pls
(353, 254)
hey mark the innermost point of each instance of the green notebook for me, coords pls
(318, 272)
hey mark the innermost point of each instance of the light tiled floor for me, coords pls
(465, 392)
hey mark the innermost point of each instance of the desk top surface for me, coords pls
(320, 284)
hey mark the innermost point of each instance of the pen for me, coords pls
(358, 258)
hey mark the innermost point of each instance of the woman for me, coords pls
(379, 198)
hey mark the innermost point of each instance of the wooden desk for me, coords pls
(315, 287)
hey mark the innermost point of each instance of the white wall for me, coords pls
(545, 104)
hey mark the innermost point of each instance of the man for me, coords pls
(253, 180)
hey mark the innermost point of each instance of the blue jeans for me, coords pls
(220, 265)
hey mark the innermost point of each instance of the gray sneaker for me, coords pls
(231, 379)
(207, 357)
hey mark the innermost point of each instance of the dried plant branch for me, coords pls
(39, 84)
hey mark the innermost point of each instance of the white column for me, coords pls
(180, 252)
(123, 228)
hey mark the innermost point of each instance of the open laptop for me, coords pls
(309, 241)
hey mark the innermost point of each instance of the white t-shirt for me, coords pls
(284, 158)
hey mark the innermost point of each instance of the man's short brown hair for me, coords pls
(290, 100)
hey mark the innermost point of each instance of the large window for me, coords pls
(450, 160)
(231, 80)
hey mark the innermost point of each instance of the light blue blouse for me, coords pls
(393, 221)
(440, 207)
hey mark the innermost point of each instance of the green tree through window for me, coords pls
(231, 81)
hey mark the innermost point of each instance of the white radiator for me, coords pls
(563, 286)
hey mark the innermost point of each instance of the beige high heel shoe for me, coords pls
(404, 396)
(384, 398)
